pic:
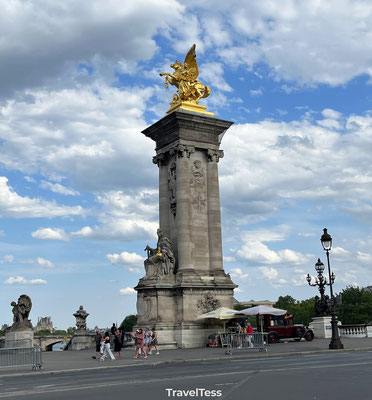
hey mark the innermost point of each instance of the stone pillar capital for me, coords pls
(159, 159)
(182, 150)
(214, 155)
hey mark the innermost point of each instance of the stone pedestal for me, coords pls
(82, 340)
(187, 155)
(322, 327)
(24, 338)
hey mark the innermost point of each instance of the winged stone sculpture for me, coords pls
(184, 78)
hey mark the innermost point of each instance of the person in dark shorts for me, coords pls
(154, 341)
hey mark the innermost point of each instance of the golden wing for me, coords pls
(190, 65)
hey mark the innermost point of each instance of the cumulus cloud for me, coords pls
(269, 273)
(108, 36)
(16, 206)
(127, 291)
(7, 259)
(44, 263)
(257, 252)
(58, 188)
(299, 41)
(293, 150)
(20, 280)
(50, 234)
(238, 273)
(81, 135)
(132, 261)
(124, 216)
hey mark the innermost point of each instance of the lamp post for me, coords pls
(321, 305)
(326, 241)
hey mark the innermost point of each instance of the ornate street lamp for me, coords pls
(326, 241)
(321, 305)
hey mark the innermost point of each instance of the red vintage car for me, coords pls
(283, 327)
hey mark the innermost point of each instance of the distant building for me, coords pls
(4, 327)
(252, 303)
(44, 324)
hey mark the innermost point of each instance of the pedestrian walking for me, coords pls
(139, 337)
(117, 344)
(148, 338)
(98, 339)
(154, 341)
(106, 348)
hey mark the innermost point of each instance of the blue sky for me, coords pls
(78, 191)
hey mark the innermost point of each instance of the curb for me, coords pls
(191, 360)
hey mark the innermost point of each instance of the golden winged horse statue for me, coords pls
(189, 89)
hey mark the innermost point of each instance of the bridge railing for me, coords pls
(355, 330)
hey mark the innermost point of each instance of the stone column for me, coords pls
(164, 214)
(214, 213)
(183, 215)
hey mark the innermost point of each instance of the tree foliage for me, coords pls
(129, 322)
(356, 307)
(303, 310)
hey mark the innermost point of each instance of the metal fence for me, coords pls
(243, 341)
(21, 356)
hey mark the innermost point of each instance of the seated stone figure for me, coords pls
(21, 311)
(160, 261)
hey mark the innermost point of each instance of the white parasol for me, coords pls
(263, 310)
(222, 313)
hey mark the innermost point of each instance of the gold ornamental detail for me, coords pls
(189, 89)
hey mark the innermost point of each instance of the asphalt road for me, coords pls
(320, 376)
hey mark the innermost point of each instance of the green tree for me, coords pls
(356, 307)
(71, 330)
(129, 322)
(303, 310)
(285, 303)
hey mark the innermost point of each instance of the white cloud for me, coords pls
(124, 217)
(364, 257)
(293, 150)
(238, 290)
(299, 41)
(269, 273)
(51, 234)
(127, 291)
(238, 273)
(7, 259)
(20, 280)
(212, 74)
(44, 263)
(125, 258)
(81, 135)
(16, 206)
(108, 36)
(58, 188)
(131, 261)
(255, 92)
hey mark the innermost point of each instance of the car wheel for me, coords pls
(300, 330)
(273, 337)
(309, 336)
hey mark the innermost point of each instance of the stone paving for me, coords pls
(69, 361)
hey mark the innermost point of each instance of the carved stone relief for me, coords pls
(172, 177)
(198, 187)
(208, 303)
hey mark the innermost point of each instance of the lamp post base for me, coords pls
(336, 344)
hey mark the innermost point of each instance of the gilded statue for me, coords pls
(189, 89)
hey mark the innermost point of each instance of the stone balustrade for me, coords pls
(355, 331)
